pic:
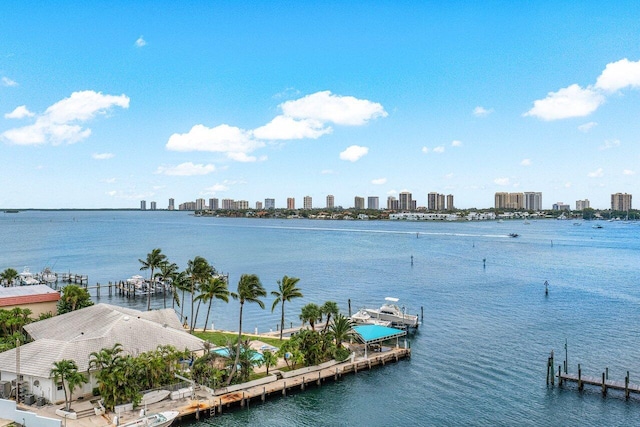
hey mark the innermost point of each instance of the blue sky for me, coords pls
(107, 103)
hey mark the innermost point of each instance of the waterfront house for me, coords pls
(77, 334)
(39, 299)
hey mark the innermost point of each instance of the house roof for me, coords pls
(77, 334)
(370, 334)
(21, 295)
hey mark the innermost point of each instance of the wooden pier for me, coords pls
(603, 382)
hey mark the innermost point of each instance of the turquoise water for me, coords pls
(478, 359)
(255, 356)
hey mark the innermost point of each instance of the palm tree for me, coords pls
(73, 298)
(342, 329)
(249, 290)
(67, 370)
(286, 292)
(329, 308)
(167, 271)
(269, 359)
(181, 283)
(9, 275)
(154, 260)
(215, 288)
(198, 270)
(310, 313)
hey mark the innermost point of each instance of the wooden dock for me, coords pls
(603, 382)
(208, 405)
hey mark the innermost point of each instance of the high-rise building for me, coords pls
(620, 202)
(582, 204)
(450, 205)
(432, 199)
(358, 202)
(200, 204)
(307, 203)
(143, 205)
(291, 203)
(153, 206)
(373, 202)
(532, 201)
(227, 204)
(560, 206)
(241, 205)
(392, 203)
(187, 206)
(269, 203)
(330, 201)
(509, 200)
(258, 206)
(440, 205)
(172, 204)
(405, 201)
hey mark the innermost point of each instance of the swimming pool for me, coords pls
(255, 356)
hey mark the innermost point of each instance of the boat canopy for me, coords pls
(372, 334)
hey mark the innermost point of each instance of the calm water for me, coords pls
(480, 357)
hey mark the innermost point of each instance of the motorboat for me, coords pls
(27, 277)
(362, 317)
(389, 311)
(48, 276)
(596, 226)
(160, 419)
(514, 235)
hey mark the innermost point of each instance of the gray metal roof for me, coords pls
(21, 291)
(92, 329)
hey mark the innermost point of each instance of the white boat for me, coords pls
(363, 318)
(161, 419)
(154, 397)
(389, 311)
(48, 276)
(27, 278)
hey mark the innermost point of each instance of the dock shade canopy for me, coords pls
(373, 334)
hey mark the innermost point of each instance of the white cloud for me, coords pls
(425, 150)
(112, 193)
(609, 143)
(526, 162)
(284, 128)
(481, 111)
(327, 172)
(598, 173)
(354, 153)
(501, 181)
(6, 81)
(236, 143)
(391, 192)
(58, 123)
(628, 172)
(109, 180)
(572, 101)
(186, 169)
(456, 143)
(141, 42)
(216, 188)
(439, 149)
(379, 181)
(102, 156)
(19, 113)
(618, 75)
(587, 127)
(326, 107)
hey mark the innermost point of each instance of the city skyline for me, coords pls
(102, 107)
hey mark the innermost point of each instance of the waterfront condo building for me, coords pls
(143, 205)
(392, 203)
(358, 202)
(509, 200)
(450, 205)
(172, 204)
(331, 204)
(227, 204)
(213, 204)
(533, 201)
(582, 204)
(258, 206)
(307, 203)
(620, 202)
(241, 205)
(432, 200)
(373, 202)
(153, 206)
(405, 201)
(291, 203)
(200, 204)
(269, 203)
(560, 206)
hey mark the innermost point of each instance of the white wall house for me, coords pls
(77, 334)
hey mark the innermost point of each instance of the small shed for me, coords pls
(39, 299)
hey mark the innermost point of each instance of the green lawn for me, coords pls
(221, 338)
